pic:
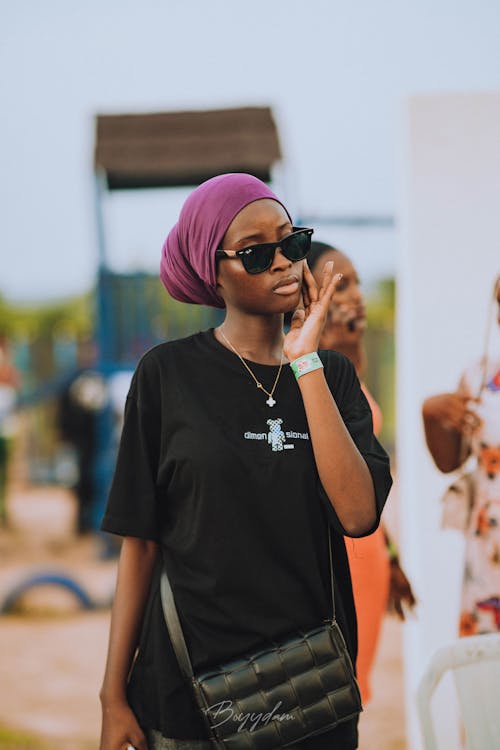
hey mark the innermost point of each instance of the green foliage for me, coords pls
(73, 317)
(17, 740)
(381, 304)
(11, 739)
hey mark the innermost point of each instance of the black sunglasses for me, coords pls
(258, 258)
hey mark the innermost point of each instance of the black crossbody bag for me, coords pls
(282, 693)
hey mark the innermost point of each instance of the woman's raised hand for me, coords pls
(452, 411)
(308, 321)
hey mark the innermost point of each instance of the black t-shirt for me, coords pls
(229, 487)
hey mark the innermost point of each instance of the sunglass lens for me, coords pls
(258, 259)
(297, 246)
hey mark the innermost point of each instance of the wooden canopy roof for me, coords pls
(185, 148)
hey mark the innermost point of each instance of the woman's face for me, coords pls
(275, 290)
(346, 320)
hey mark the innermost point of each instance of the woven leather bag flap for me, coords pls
(280, 694)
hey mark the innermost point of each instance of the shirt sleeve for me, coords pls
(132, 507)
(356, 413)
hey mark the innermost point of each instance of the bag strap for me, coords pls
(174, 626)
(330, 558)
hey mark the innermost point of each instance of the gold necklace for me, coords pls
(270, 401)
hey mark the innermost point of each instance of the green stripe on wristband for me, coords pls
(306, 363)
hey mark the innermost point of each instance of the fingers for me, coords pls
(405, 593)
(120, 729)
(309, 286)
(410, 598)
(400, 592)
(470, 420)
(399, 609)
(330, 281)
(138, 743)
(463, 421)
(325, 293)
(453, 411)
(394, 606)
(402, 605)
(306, 296)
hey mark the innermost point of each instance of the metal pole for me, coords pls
(104, 455)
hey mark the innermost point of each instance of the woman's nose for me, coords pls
(279, 261)
(356, 294)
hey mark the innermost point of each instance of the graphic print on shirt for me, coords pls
(276, 437)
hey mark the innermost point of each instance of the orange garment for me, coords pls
(370, 573)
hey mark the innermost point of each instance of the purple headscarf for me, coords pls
(187, 267)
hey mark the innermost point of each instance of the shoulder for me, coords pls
(158, 365)
(342, 379)
(338, 366)
(168, 351)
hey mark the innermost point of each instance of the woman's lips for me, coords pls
(289, 285)
(356, 324)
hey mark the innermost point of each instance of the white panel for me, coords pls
(449, 256)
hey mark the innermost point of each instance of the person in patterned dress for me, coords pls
(459, 425)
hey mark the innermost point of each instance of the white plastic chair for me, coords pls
(475, 664)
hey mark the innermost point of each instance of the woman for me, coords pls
(232, 468)
(457, 425)
(377, 579)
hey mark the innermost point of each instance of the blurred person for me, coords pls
(460, 425)
(378, 581)
(238, 509)
(9, 384)
(80, 402)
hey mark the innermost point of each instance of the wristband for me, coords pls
(306, 363)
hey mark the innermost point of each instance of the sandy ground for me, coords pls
(53, 653)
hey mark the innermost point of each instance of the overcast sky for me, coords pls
(337, 75)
